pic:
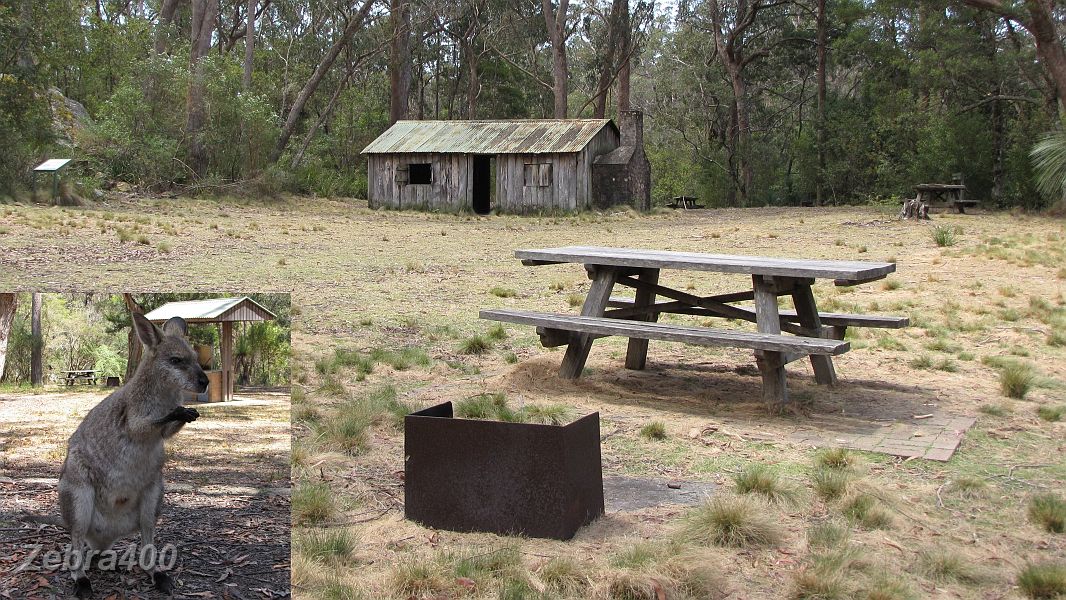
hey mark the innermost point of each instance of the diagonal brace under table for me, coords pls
(577, 352)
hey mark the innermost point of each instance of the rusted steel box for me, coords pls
(541, 481)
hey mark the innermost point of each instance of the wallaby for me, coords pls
(111, 484)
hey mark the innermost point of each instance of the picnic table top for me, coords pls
(938, 186)
(697, 261)
(80, 371)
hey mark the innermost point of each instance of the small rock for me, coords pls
(674, 485)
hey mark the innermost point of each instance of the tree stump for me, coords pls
(914, 208)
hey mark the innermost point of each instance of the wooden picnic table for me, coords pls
(943, 195)
(816, 335)
(685, 202)
(88, 376)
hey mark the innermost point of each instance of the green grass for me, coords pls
(1051, 414)
(563, 576)
(968, 487)
(312, 503)
(760, 479)
(891, 284)
(502, 292)
(548, 414)
(944, 236)
(1048, 510)
(575, 300)
(346, 429)
(655, 431)
(922, 361)
(995, 410)
(481, 406)
(867, 511)
(732, 521)
(1043, 581)
(827, 534)
(497, 332)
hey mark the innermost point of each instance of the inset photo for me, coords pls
(145, 446)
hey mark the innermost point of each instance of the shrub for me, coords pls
(735, 521)
(1048, 510)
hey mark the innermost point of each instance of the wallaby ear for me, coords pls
(175, 326)
(147, 332)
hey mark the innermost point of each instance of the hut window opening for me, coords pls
(537, 175)
(420, 173)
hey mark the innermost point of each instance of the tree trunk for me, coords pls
(556, 24)
(627, 59)
(166, 19)
(36, 341)
(400, 60)
(203, 18)
(819, 186)
(293, 118)
(133, 343)
(607, 68)
(249, 58)
(8, 304)
(473, 81)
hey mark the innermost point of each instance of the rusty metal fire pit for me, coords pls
(541, 481)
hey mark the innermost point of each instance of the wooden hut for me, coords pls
(221, 311)
(509, 166)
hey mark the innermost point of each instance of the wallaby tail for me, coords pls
(44, 519)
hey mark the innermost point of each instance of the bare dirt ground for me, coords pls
(366, 280)
(226, 504)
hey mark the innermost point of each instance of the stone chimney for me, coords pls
(631, 128)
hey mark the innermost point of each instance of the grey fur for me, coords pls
(111, 484)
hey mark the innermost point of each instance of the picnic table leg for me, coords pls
(637, 352)
(768, 320)
(577, 351)
(803, 298)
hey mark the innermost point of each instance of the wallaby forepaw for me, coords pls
(82, 588)
(163, 582)
(185, 415)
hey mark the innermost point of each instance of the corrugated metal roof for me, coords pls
(488, 137)
(212, 310)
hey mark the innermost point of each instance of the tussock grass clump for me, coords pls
(324, 544)
(312, 503)
(969, 487)
(417, 578)
(830, 484)
(497, 332)
(345, 430)
(1048, 510)
(760, 479)
(400, 360)
(1043, 581)
(475, 344)
(655, 431)
(891, 284)
(547, 414)
(736, 521)
(502, 292)
(481, 406)
(1051, 414)
(670, 571)
(867, 511)
(944, 565)
(835, 458)
(1016, 379)
(826, 575)
(887, 586)
(922, 361)
(944, 236)
(1057, 337)
(826, 535)
(575, 300)
(564, 576)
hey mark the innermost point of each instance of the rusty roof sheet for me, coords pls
(488, 137)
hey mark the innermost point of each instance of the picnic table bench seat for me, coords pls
(830, 319)
(702, 336)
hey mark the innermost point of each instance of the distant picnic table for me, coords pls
(685, 202)
(816, 335)
(87, 376)
(943, 195)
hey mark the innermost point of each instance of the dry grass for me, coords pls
(1043, 581)
(736, 521)
(1048, 510)
(765, 482)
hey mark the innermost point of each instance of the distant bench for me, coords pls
(685, 202)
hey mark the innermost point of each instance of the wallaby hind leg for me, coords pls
(76, 503)
(151, 503)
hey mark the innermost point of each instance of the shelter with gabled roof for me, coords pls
(518, 166)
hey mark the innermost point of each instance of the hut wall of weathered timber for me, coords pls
(389, 183)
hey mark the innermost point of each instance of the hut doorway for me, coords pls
(481, 186)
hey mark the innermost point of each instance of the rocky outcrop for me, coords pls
(69, 118)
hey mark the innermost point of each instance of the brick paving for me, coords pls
(934, 437)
